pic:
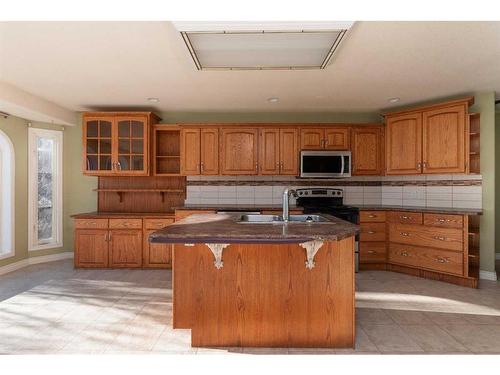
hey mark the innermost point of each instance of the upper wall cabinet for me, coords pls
(331, 138)
(428, 140)
(278, 151)
(117, 143)
(367, 150)
(199, 151)
(239, 151)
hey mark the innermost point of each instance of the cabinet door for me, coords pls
(125, 248)
(190, 152)
(239, 151)
(289, 152)
(97, 146)
(209, 151)
(366, 151)
(269, 148)
(337, 138)
(91, 248)
(312, 139)
(131, 136)
(156, 255)
(404, 144)
(444, 140)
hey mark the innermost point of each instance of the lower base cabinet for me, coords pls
(91, 248)
(125, 248)
(120, 243)
(436, 246)
(156, 255)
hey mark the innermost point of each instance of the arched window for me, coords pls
(6, 196)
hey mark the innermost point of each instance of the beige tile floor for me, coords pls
(52, 308)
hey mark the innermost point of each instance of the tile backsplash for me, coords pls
(461, 191)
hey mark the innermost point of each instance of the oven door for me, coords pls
(325, 164)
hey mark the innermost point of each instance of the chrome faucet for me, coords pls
(286, 210)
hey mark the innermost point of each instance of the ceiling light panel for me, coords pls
(306, 47)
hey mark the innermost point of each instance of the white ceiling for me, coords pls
(98, 65)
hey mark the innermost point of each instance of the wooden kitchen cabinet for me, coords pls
(444, 136)
(431, 139)
(239, 151)
(91, 248)
(331, 138)
(269, 158)
(199, 151)
(116, 143)
(279, 153)
(156, 255)
(367, 151)
(125, 248)
(403, 136)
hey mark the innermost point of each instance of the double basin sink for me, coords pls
(275, 219)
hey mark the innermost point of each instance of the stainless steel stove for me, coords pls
(329, 201)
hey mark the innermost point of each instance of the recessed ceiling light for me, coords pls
(273, 100)
(393, 100)
(153, 100)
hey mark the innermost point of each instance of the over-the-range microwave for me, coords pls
(325, 164)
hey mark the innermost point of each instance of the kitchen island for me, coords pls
(263, 284)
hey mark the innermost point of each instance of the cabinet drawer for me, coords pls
(372, 216)
(442, 238)
(432, 259)
(157, 223)
(372, 252)
(125, 223)
(91, 223)
(372, 232)
(405, 217)
(444, 221)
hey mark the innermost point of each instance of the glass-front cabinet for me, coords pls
(116, 143)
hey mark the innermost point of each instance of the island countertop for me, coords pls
(224, 228)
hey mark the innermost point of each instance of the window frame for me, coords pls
(7, 159)
(57, 182)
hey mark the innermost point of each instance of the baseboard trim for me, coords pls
(34, 260)
(488, 275)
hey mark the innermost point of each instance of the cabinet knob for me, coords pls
(371, 232)
(372, 215)
(440, 238)
(442, 260)
(404, 234)
(371, 252)
(403, 217)
(404, 253)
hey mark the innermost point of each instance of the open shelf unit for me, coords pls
(474, 143)
(166, 150)
(473, 246)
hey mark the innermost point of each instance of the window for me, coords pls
(6, 197)
(45, 189)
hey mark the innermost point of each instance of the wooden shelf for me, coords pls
(120, 192)
(169, 156)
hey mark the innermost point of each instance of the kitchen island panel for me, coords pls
(264, 296)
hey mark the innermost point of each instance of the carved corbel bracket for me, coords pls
(216, 249)
(312, 248)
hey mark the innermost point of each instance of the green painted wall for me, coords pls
(497, 181)
(79, 197)
(484, 103)
(77, 189)
(186, 117)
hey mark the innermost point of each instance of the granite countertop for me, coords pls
(120, 215)
(235, 207)
(435, 210)
(224, 228)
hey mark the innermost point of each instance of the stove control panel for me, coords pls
(319, 192)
